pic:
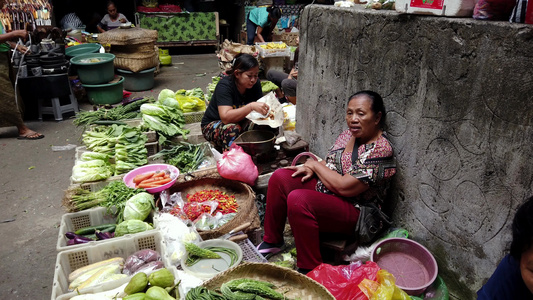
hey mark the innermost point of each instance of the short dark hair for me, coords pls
(522, 229)
(274, 12)
(242, 63)
(376, 106)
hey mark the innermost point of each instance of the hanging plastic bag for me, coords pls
(384, 288)
(342, 281)
(236, 164)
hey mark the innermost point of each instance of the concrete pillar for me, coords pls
(459, 97)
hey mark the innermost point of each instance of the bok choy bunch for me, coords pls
(130, 150)
(166, 120)
(92, 166)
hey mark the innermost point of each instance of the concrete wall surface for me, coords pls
(459, 98)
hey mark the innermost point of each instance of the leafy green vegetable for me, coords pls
(267, 86)
(166, 93)
(113, 196)
(171, 102)
(186, 157)
(92, 167)
(121, 112)
(167, 121)
(131, 226)
(139, 207)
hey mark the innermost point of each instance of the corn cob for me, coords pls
(103, 275)
(76, 273)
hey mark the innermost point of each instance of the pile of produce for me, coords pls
(211, 86)
(208, 209)
(186, 157)
(150, 277)
(130, 150)
(92, 166)
(191, 100)
(121, 112)
(152, 179)
(91, 233)
(196, 253)
(242, 288)
(165, 117)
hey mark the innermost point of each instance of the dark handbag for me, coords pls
(372, 221)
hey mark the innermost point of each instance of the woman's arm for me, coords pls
(341, 185)
(229, 114)
(259, 35)
(13, 35)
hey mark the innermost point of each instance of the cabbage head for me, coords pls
(139, 207)
(131, 226)
(166, 93)
(171, 102)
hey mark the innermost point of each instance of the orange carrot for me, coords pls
(142, 177)
(162, 181)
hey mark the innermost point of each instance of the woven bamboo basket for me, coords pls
(137, 48)
(136, 62)
(131, 36)
(288, 282)
(244, 195)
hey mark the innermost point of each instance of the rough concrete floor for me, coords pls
(33, 178)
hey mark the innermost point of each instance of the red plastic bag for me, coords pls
(236, 164)
(342, 281)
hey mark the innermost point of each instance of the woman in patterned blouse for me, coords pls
(322, 197)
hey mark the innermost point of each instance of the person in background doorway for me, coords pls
(260, 23)
(234, 98)
(513, 278)
(323, 196)
(11, 109)
(112, 19)
(287, 83)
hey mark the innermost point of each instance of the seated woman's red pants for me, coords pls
(309, 212)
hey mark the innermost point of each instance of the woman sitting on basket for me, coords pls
(234, 98)
(322, 197)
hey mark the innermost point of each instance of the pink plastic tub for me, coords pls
(413, 266)
(174, 173)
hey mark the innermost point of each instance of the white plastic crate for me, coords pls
(273, 52)
(70, 260)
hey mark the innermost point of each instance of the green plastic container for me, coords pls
(99, 72)
(107, 93)
(73, 51)
(138, 81)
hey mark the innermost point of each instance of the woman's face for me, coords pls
(111, 10)
(247, 79)
(361, 120)
(526, 268)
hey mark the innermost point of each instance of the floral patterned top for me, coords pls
(374, 166)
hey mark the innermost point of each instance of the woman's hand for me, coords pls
(303, 171)
(260, 107)
(21, 33)
(293, 74)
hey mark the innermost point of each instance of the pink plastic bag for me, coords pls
(342, 281)
(236, 164)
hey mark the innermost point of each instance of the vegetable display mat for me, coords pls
(70, 260)
(288, 282)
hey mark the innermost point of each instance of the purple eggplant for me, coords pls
(104, 235)
(75, 239)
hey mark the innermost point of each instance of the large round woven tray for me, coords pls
(244, 195)
(289, 282)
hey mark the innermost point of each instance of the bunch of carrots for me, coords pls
(152, 179)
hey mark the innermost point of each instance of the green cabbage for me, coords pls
(171, 102)
(139, 207)
(131, 226)
(267, 86)
(166, 93)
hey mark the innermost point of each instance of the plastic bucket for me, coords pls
(107, 93)
(72, 51)
(138, 81)
(100, 70)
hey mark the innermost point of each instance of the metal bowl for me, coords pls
(256, 142)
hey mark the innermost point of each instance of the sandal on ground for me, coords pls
(31, 136)
(268, 252)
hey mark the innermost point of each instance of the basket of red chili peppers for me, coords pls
(213, 195)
